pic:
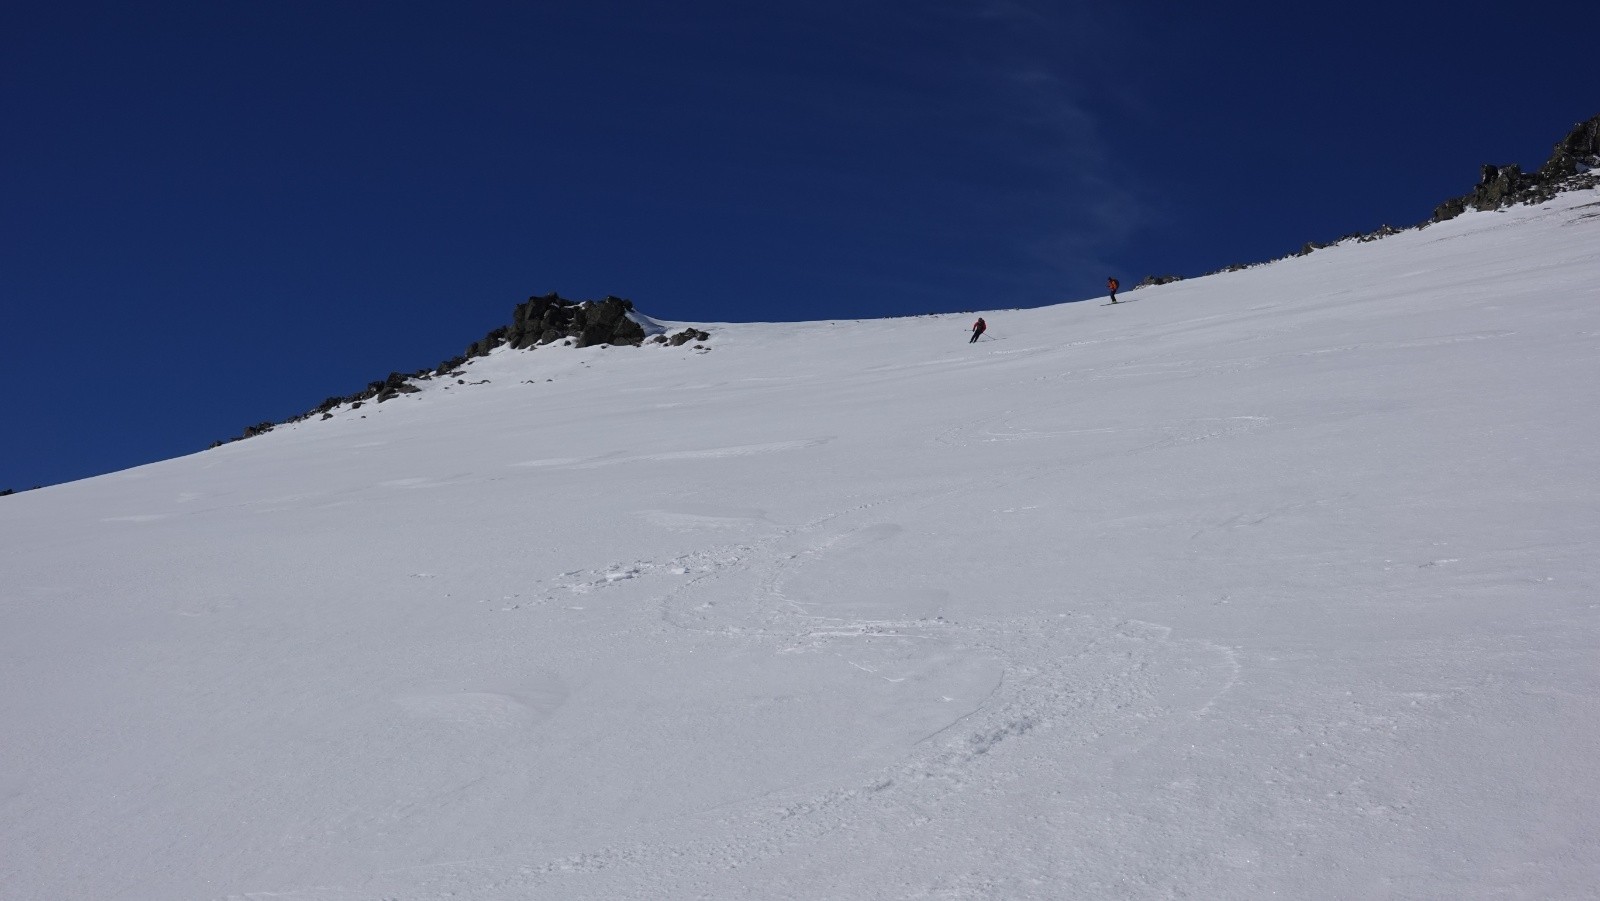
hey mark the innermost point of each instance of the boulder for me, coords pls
(688, 335)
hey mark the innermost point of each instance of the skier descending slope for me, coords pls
(977, 330)
(1112, 285)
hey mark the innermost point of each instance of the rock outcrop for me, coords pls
(535, 322)
(542, 320)
(1572, 164)
(683, 337)
(1577, 154)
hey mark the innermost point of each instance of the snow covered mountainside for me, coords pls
(1280, 583)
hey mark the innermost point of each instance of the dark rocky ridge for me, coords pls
(1571, 165)
(542, 320)
(535, 322)
(1574, 164)
(1149, 280)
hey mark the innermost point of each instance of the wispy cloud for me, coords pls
(1051, 94)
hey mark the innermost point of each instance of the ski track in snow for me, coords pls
(1066, 685)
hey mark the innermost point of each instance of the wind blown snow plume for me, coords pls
(1274, 583)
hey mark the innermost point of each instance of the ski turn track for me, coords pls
(1055, 699)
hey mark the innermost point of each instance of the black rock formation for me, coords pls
(1571, 165)
(534, 322)
(1574, 164)
(542, 320)
(684, 337)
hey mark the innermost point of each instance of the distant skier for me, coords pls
(977, 330)
(1113, 284)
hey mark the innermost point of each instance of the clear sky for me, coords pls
(216, 214)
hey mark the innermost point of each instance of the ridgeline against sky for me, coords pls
(217, 212)
(1277, 584)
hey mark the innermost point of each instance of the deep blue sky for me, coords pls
(214, 214)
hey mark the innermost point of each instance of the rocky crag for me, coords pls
(536, 322)
(1574, 164)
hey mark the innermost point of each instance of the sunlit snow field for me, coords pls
(1280, 583)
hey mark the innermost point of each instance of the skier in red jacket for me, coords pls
(1113, 284)
(977, 330)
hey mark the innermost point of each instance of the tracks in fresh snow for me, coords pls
(1052, 697)
(1000, 704)
(1046, 692)
(1006, 705)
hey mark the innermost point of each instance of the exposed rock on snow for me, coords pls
(1571, 165)
(1150, 280)
(684, 337)
(540, 320)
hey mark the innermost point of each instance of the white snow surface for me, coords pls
(1281, 583)
(651, 327)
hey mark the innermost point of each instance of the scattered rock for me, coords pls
(1150, 280)
(1382, 231)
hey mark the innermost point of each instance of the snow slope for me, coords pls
(1273, 584)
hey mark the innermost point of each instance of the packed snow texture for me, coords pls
(1280, 583)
